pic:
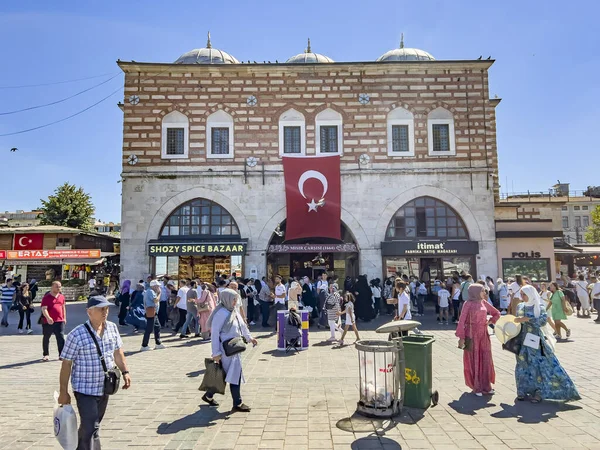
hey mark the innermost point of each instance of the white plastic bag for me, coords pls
(65, 425)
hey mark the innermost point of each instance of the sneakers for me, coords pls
(159, 347)
(183, 336)
(210, 401)
(197, 335)
(145, 349)
(332, 339)
(341, 343)
(478, 394)
(20, 331)
(29, 331)
(252, 323)
(568, 334)
(46, 358)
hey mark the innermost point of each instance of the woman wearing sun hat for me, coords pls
(475, 341)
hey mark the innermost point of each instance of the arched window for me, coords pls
(440, 128)
(219, 135)
(200, 217)
(328, 133)
(401, 133)
(175, 136)
(292, 133)
(426, 217)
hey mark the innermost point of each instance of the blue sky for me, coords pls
(546, 72)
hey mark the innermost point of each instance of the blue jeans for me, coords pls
(188, 322)
(420, 303)
(5, 310)
(265, 309)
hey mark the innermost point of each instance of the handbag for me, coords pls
(214, 377)
(532, 341)
(468, 341)
(567, 308)
(512, 345)
(150, 311)
(234, 345)
(112, 377)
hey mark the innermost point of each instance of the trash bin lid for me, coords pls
(398, 325)
(376, 346)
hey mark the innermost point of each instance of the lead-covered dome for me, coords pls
(406, 54)
(309, 57)
(207, 55)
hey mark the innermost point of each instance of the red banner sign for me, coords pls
(53, 254)
(313, 197)
(2, 254)
(29, 241)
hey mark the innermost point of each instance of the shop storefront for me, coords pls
(426, 238)
(531, 257)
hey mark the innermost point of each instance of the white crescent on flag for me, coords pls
(21, 241)
(312, 206)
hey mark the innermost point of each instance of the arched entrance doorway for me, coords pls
(428, 239)
(197, 240)
(311, 257)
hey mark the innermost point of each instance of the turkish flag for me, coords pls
(29, 241)
(313, 197)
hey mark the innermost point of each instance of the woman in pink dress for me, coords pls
(206, 299)
(472, 331)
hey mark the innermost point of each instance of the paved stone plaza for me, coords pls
(304, 401)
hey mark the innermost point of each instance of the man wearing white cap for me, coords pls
(81, 362)
(151, 305)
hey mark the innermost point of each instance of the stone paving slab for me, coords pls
(299, 400)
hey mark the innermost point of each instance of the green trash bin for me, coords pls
(418, 391)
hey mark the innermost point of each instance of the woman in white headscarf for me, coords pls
(225, 323)
(539, 376)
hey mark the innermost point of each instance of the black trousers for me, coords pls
(181, 323)
(152, 323)
(57, 329)
(455, 309)
(250, 314)
(22, 315)
(162, 313)
(265, 310)
(91, 411)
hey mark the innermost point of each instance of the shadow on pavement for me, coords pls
(527, 412)
(196, 373)
(375, 442)
(468, 404)
(206, 416)
(21, 364)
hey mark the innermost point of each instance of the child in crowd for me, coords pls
(350, 317)
(444, 303)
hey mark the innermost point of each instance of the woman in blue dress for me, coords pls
(538, 374)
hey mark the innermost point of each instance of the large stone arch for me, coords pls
(353, 225)
(461, 208)
(190, 194)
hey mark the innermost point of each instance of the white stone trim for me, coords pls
(219, 119)
(401, 116)
(329, 117)
(292, 118)
(175, 119)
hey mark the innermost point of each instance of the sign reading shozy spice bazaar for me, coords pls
(429, 248)
(52, 254)
(164, 249)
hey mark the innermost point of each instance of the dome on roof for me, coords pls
(207, 55)
(406, 54)
(309, 57)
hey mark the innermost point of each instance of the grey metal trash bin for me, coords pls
(380, 366)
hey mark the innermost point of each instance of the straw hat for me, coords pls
(506, 328)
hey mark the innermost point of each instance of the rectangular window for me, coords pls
(400, 138)
(565, 222)
(584, 208)
(586, 221)
(577, 221)
(220, 141)
(175, 140)
(576, 208)
(564, 208)
(291, 140)
(328, 139)
(441, 137)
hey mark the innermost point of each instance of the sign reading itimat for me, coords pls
(239, 248)
(429, 248)
(52, 254)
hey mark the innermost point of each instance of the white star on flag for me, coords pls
(312, 206)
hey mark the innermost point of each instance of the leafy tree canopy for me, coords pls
(70, 206)
(592, 235)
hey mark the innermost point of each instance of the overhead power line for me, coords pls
(56, 82)
(120, 88)
(59, 101)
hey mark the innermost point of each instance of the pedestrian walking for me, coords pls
(33, 288)
(206, 305)
(582, 295)
(538, 374)
(322, 289)
(265, 298)
(25, 304)
(82, 364)
(151, 305)
(376, 296)
(514, 292)
(181, 304)
(7, 299)
(124, 299)
(280, 294)
(165, 294)
(545, 295)
(363, 298)
(332, 306)
(503, 296)
(421, 295)
(558, 301)
(443, 297)
(226, 324)
(54, 319)
(348, 309)
(191, 317)
(474, 339)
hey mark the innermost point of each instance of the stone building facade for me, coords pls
(208, 92)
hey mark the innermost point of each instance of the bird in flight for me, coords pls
(14, 149)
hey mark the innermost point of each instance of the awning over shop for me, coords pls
(54, 257)
(589, 249)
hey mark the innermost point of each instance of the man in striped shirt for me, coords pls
(7, 298)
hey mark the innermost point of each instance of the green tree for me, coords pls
(592, 235)
(70, 206)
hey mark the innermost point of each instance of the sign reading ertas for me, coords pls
(238, 248)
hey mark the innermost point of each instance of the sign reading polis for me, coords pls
(197, 248)
(429, 248)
